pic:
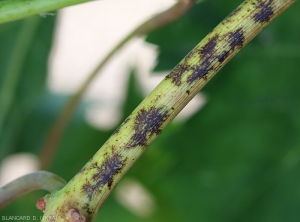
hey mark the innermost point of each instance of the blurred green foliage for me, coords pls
(237, 159)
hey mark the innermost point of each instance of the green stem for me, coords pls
(40, 180)
(55, 133)
(14, 67)
(11, 10)
(87, 191)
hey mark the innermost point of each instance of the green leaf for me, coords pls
(25, 47)
(23, 71)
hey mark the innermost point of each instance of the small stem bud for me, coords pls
(75, 216)
(41, 204)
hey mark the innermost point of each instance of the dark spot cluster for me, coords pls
(200, 71)
(147, 123)
(209, 48)
(177, 73)
(180, 69)
(89, 189)
(111, 166)
(206, 54)
(236, 40)
(265, 11)
(105, 173)
(224, 55)
(86, 207)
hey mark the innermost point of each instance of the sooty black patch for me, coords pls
(236, 40)
(200, 72)
(177, 73)
(223, 56)
(265, 11)
(147, 123)
(209, 48)
(110, 167)
(105, 173)
(180, 69)
(206, 56)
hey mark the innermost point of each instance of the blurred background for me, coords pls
(234, 153)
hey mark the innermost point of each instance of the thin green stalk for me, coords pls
(40, 180)
(11, 10)
(56, 131)
(84, 195)
(14, 67)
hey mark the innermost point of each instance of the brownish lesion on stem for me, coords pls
(56, 131)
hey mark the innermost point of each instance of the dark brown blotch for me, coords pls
(177, 72)
(180, 69)
(265, 11)
(105, 173)
(223, 56)
(200, 71)
(209, 48)
(206, 56)
(110, 167)
(88, 189)
(236, 40)
(147, 123)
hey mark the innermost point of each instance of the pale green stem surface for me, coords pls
(84, 195)
(55, 133)
(11, 10)
(40, 180)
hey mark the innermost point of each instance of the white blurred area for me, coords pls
(132, 195)
(17, 165)
(85, 34)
